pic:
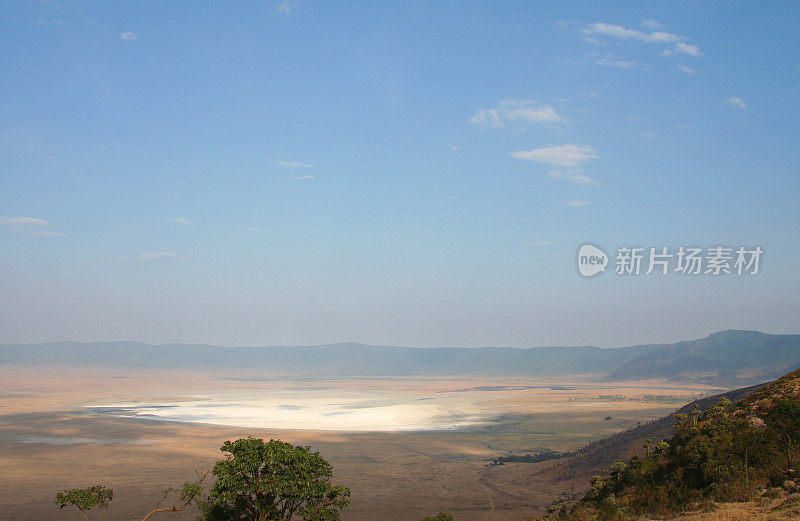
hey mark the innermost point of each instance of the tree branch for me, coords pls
(168, 509)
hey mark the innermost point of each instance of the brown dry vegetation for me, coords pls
(783, 508)
(393, 476)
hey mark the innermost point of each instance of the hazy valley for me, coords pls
(408, 434)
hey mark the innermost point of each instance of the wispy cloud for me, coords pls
(301, 178)
(684, 68)
(181, 220)
(285, 7)
(294, 164)
(573, 175)
(516, 111)
(651, 24)
(683, 48)
(253, 228)
(559, 155)
(677, 41)
(43, 21)
(18, 223)
(737, 102)
(577, 203)
(30, 225)
(128, 36)
(158, 255)
(618, 31)
(610, 61)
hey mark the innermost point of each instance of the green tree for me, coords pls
(617, 470)
(191, 492)
(784, 420)
(85, 499)
(441, 516)
(273, 481)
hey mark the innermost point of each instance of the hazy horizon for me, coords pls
(379, 344)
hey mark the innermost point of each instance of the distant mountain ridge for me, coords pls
(722, 354)
(734, 357)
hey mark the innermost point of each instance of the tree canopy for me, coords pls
(273, 481)
(85, 499)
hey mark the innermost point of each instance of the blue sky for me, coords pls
(413, 173)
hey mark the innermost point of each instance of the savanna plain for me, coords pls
(406, 446)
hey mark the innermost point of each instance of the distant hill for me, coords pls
(729, 357)
(719, 356)
(350, 359)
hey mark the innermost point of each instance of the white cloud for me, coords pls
(255, 229)
(577, 203)
(662, 37)
(684, 48)
(293, 164)
(691, 50)
(44, 21)
(521, 111)
(544, 114)
(618, 31)
(488, 117)
(736, 102)
(610, 61)
(563, 25)
(541, 243)
(650, 24)
(684, 68)
(158, 255)
(574, 175)
(285, 7)
(455, 148)
(615, 31)
(654, 37)
(128, 36)
(23, 222)
(29, 225)
(559, 155)
(182, 220)
(301, 178)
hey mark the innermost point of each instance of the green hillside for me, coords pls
(730, 452)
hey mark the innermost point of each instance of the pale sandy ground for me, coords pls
(393, 475)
